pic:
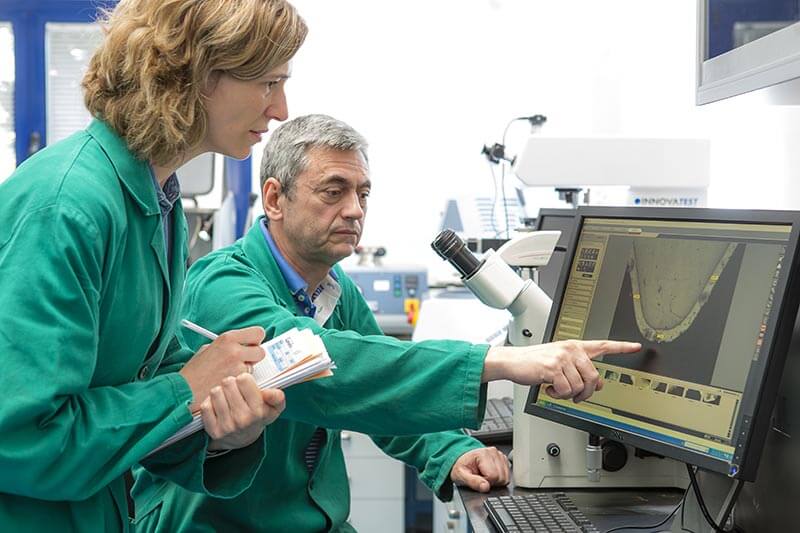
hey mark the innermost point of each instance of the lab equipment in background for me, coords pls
(377, 485)
(200, 222)
(546, 454)
(657, 172)
(496, 155)
(197, 176)
(497, 152)
(224, 223)
(478, 216)
(370, 255)
(393, 293)
(477, 323)
(563, 220)
(495, 284)
(197, 179)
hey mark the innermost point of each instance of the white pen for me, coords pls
(198, 329)
(209, 335)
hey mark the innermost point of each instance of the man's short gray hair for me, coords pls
(285, 155)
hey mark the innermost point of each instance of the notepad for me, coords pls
(293, 357)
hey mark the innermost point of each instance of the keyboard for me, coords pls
(545, 511)
(497, 424)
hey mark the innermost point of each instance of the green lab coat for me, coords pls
(382, 386)
(88, 306)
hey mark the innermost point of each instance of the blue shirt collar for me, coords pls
(167, 195)
(298, 286)
(290, 275)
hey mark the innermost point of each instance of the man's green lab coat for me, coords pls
(382, 386)
(88, 309)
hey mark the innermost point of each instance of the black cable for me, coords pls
(535, 120)
(503, 173)
(653, 526)
(702, 503)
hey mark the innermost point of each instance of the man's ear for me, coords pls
(271, 194)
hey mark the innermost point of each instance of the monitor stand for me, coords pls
(717, 491)
(768, 503)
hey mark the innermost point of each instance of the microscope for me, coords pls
(547, 454)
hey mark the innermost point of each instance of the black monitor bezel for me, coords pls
(555, 213)
(785, 303)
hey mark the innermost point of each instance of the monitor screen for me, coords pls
(712, 297)
(562, 220)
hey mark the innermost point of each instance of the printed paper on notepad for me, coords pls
(285, 352)
(294, 357)
(281, 353)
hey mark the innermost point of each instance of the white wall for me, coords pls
(429, 82)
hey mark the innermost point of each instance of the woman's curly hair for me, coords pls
(146, 79)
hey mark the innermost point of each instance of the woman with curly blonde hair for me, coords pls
(92, 259)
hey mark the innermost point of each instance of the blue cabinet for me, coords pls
(41, 100)
(25, 24)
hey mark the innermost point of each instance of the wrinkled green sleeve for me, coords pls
(63, 439)
(432, 454)
(377, 378)
(186, 463)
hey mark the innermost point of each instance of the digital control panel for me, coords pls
(393, 294)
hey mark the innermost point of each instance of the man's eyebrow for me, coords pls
(336, 179)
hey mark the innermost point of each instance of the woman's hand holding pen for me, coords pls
(234, 409)
(230, 354)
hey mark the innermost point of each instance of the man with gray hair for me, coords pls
(410, 397)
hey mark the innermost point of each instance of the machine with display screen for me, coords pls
(552, 455)
(712, 297)
(562, 220)
(393, 294)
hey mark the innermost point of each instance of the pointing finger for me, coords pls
(597, 348)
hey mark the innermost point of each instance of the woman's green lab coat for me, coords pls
(88, 307)
(381, 386)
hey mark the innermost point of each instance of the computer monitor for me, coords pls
(712, 296)
(562, 220)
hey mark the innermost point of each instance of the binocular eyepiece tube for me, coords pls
(450, 247)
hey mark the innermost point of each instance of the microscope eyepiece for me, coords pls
(451, 248)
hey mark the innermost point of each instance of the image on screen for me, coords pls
(698, 297)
